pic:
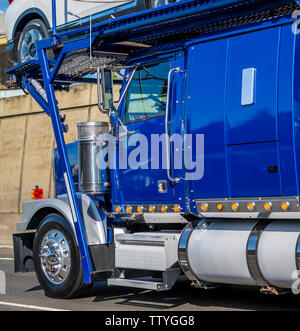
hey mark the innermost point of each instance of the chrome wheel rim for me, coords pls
(29, 47)
(55, 257)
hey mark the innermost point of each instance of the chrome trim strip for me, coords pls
(164, 218)
(171, 179)
(70, 198)
(182, 252)
(248, 215)
(293, 202)
(298, 253)
(252, 258)
(248, 86)
(145, 209)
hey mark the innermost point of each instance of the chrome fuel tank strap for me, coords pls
(252, 253)
(182, 252)
(298, 253)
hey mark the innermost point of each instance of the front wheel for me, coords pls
(57, 260)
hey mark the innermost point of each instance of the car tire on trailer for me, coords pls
(33, 31)
(158, 3)
(57, 259)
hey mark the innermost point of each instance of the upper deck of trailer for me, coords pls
(116, 40)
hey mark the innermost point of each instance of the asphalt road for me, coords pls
(24, 293)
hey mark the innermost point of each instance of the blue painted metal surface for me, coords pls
(286, 124)
(249, 172)
(205, 113)
(242, 143)
(59, 181)
(257, 122)
(295, 116)
(54, 27)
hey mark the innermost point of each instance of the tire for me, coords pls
(67, 279)
(33, 31)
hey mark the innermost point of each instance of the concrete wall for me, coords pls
(26, 144)
(2, 23)
(4, 64)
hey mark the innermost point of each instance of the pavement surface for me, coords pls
(23, 293)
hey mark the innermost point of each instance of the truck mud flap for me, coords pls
(103, 257)
(23, 246)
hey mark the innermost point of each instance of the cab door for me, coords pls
(252, 113)
(144, 178)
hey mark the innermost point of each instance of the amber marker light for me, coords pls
(117, 209)
(235, 207)
(285, 205)
(164, 209)
(128, 209)
(139, 209)
(151, 209)
(176, 209)
(268, 206)
(204, 207)
(251, 206)
(219, 207)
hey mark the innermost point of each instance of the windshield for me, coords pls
(147, 93)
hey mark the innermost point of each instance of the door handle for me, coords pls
(171, 179)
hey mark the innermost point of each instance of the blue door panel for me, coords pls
(141, 185)
(285, 111)
(296, 109)
(206, 74)
(138, 185)
(256, 122)
(250, 176)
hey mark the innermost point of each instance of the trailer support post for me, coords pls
(64, 161)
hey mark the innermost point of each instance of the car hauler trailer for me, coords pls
(225, 71)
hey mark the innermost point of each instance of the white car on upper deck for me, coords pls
(28, 21)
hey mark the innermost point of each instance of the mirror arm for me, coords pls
(126, 88)
(127, 132)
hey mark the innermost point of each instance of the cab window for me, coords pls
(147, 93)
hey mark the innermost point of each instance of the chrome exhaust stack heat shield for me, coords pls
(93, 145)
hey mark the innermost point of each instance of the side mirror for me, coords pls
(105, 89)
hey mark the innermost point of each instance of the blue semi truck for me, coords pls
(197, 173)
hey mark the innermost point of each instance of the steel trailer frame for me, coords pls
(139, 31)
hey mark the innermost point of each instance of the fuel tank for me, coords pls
(254, 253)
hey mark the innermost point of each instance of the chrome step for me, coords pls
(146, 283)
(137, 283)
